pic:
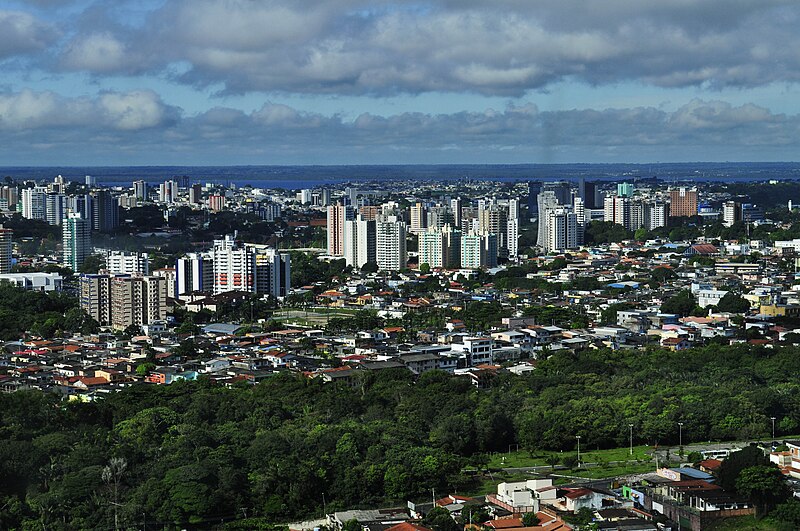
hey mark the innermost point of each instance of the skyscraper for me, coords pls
(682, 203)
(390, 244)
(76, 238)
(34, 203)
(562, 229)
(419, 218)
(6, 235)
(337, 215)
(105, 211)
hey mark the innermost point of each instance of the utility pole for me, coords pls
(773, 428)
(630, 428)
(680, 435)
(579, 449)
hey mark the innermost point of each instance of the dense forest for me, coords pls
(197, 453)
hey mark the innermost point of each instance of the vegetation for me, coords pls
(44, 314)
(192, 452)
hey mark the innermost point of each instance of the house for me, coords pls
(675, 343)
(523, 496)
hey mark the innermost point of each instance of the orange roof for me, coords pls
(408, 526)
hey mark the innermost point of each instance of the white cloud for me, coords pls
(22, 33)
(98, 53)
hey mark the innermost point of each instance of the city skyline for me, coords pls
(361, 81)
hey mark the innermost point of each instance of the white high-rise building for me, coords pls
(731, 213)
(54, 205)
(234, 267)
(34, 203)
(419, 218)
(655, 215)
(390, 244)
(304, 196)
(562, 229)
(546, 200)
(119, 262)
(478, 250)
(250, 267)
(168, 192)
(440, 247)
(76, 237)
(512, 228)
(194, 272)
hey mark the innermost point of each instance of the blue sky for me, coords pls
(358, 81)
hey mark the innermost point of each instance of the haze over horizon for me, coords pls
(218, 82)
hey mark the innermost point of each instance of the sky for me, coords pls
(217, 82)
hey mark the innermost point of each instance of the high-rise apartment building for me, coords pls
(194, 272)
(34, 203)
(137, 300)
(562, 229)
(168, 192)
(337, 215)
(440, 247)
(76, 238)
(104, 211)
(390, 244)
(731, 213)
(140, 190)
(54, 207)
(682, 203)
(418, 218)
(478, 250)
(6, 236)
(216, 202)
(127, 263)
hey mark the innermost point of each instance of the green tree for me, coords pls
(683, 303)
(530, 520)
(733, 303)
(763, 485)
(732, 466)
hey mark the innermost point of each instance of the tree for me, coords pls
(92, 264)
(530, 520)
(788, 512)
(569, 461)
(732, 466)
(763, 485)
(369, 267)
(424, 268)
(552, 460)
(682, 303)
(732, 303)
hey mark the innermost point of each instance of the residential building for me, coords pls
(478, 250)
(731, 213)
(6, 236)
(137, 300)
(440, 247)
(682, 202)
(337, 215)
(216, 202)
(119, 262)
(194, 272)
(390, 244)
(76, 238)
(34, 203)
(561, 229)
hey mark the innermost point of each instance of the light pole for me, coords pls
(579, 449)
(680, 435)
(773, 428)
(630, 428)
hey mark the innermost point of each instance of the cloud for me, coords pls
(505, 47)
(29, 112)
(21, 33)
(97, 53)
(136, 127)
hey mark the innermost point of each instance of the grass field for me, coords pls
(522, 458)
